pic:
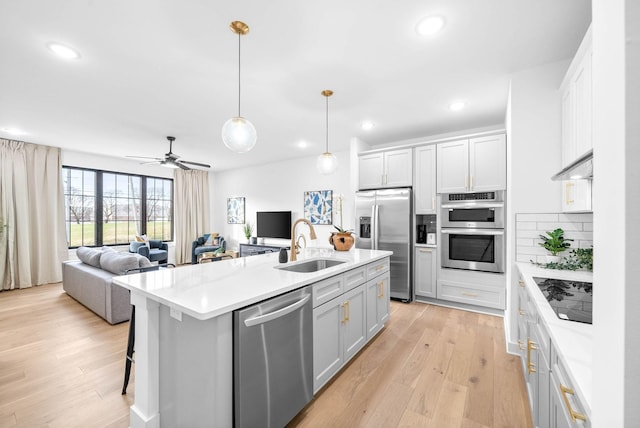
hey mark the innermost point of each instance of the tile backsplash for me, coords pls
(529, 227)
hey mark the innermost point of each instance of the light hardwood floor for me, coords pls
(62, 366)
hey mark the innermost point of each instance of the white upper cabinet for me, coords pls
(424, 185)
(453, 166)
(472, 165)
(385, 169)
(577, 104)
(576, 92)
(488, 163)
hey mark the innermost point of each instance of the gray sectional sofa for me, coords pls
(89, 281)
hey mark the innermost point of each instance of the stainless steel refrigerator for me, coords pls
(383, 222)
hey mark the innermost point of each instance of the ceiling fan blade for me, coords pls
(204, 165)
(154, 162)
(143, 158)
(186, 168)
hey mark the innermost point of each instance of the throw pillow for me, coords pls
(118, 263)
(207, 239)
(142, 238)
(90, 256)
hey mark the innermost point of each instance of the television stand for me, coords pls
(256, 249)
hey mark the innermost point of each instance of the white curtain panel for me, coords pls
(33, 241)
(191, 206)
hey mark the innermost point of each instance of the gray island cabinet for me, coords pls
(184, 333)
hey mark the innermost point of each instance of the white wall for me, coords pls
(279, 187)
(616, 191)
(533, 155)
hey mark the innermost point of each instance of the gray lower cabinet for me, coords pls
(425, 272)
(349, 310)
(565, 407)
(377, 291)
(552, 401)
(339, 332)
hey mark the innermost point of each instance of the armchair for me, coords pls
(157, 251)
(199, 247)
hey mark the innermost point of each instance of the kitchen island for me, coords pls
(184, 337)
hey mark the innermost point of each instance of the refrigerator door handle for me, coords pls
(376, 226)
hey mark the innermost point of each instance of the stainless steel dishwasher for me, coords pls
(273, 360)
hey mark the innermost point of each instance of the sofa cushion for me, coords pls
(143, 261)
(90, 256)
(119, 263)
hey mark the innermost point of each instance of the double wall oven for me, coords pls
(473, 231)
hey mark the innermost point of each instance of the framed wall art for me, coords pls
(235, 210)
(318, 206)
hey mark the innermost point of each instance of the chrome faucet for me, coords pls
(312, 235)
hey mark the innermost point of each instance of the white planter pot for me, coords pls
(553, 259)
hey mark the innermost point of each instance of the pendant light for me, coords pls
(238, 134)
(327, 162)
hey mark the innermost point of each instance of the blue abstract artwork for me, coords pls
(235, 210)
(318, 206)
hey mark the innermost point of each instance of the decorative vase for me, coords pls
(342, 241)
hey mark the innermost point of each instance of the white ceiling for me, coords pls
(151, 68)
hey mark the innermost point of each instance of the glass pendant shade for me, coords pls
(239, 135)
(327, 163)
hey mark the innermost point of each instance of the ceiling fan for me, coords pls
(171, 160)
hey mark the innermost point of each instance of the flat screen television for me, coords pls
(274, 224)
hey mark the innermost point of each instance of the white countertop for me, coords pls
(572, 340)
(208, 290)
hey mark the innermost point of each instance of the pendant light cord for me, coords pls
(239, 35)
(327, 117)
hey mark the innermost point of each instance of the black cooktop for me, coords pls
(570, 300)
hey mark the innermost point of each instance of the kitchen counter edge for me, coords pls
(205, 291)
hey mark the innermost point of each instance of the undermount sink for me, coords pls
(311, 265)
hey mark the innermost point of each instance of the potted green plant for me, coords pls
(248, 230)
(555, 243)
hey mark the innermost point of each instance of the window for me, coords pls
(109, 208)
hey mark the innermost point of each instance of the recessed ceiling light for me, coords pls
(13, 131)
(63, 51)
(302, 144)
(430, 25)
(457, 106)
(367, 125)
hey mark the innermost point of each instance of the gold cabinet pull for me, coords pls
(348, 310)
(380, 267)
(465, 293)
(521, 346)
(567, 192)
(425, 251)
(521, 284)
(522, 312)
(471, 182)
(381, 289)
(344, 313)
(531, 367)
(433, 203)
(574, 415)
(465, 183)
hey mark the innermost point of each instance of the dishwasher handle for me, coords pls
(276, 314)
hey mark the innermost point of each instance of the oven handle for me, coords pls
(474, 205)
(495, 232)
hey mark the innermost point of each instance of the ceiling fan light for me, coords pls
(169, 165)
(239, 135)
(327, 163)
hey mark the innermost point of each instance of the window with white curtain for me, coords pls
(111, 208)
